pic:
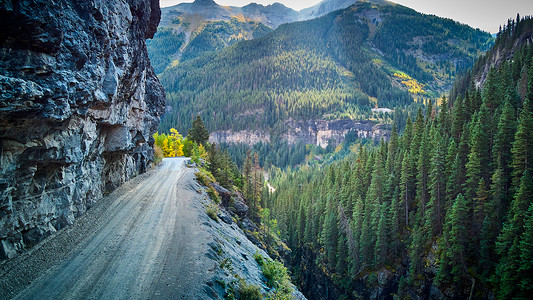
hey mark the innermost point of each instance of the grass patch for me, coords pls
(249, 291)
(158, 155)
(244, 291)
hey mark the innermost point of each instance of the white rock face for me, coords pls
(79, 102)
(315, 132)
(249, 137)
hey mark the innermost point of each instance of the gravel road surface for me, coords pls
(143, 241)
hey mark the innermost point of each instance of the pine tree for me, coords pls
(330, 237)
(357, 223)
(437, 179)
(452, 260)
(503, 141)
(382, 237)
(526, 256)
(521, 150)
(422, 173)
(394, 222)
(508, 245)
(198, 133)
(406, 187)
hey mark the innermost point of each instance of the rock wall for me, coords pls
(321, 132)
(79, 102)
(249, 137)
(315, 132)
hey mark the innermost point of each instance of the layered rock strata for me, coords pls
(314, 132)
(79, 102)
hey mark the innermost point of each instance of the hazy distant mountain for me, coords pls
(188, 30)
(271, 15)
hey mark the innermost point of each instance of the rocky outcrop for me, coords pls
(79, 102)
(315, 132)
(322, 132)
(249, 137)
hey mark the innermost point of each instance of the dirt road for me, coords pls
(145, 242)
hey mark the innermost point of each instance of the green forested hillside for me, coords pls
(337, 66)
(446, 207)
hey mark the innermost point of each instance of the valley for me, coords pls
(355, 149)
(344, 65)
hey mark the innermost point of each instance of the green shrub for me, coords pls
(249, 291)
(277, 277)
(213, 195)
(204, 177)
(212, 212)
(275, 273)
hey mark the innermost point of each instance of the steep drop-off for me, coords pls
(78, 104)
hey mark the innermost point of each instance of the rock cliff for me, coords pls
(79, 102)
(315, 132)
(321, 132)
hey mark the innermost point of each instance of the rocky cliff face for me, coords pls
(315, 132)
(249, 137)
(78, 104)
(321, 132)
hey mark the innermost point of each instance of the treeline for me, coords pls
(452, 196)
(334, 66)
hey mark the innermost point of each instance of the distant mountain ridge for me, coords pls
(188, 30)
(271, 15)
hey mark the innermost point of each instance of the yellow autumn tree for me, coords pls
(171, 144)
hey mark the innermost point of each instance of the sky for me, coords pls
(487, 15)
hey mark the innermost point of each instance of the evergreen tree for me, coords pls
(330, 237)
(382, 237)
(526, 256)
(198, 133)
(508, 245)
(435, 214)
(521, 150)
(503, 141)
(452, 259)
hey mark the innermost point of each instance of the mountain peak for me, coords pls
(205, 2)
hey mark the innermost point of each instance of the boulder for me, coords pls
(224, 193)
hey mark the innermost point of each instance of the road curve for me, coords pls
(146, 244)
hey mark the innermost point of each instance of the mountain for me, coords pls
(271, 15)
(323, 8)
(443, 210)
(339, 66)
(188, 30)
